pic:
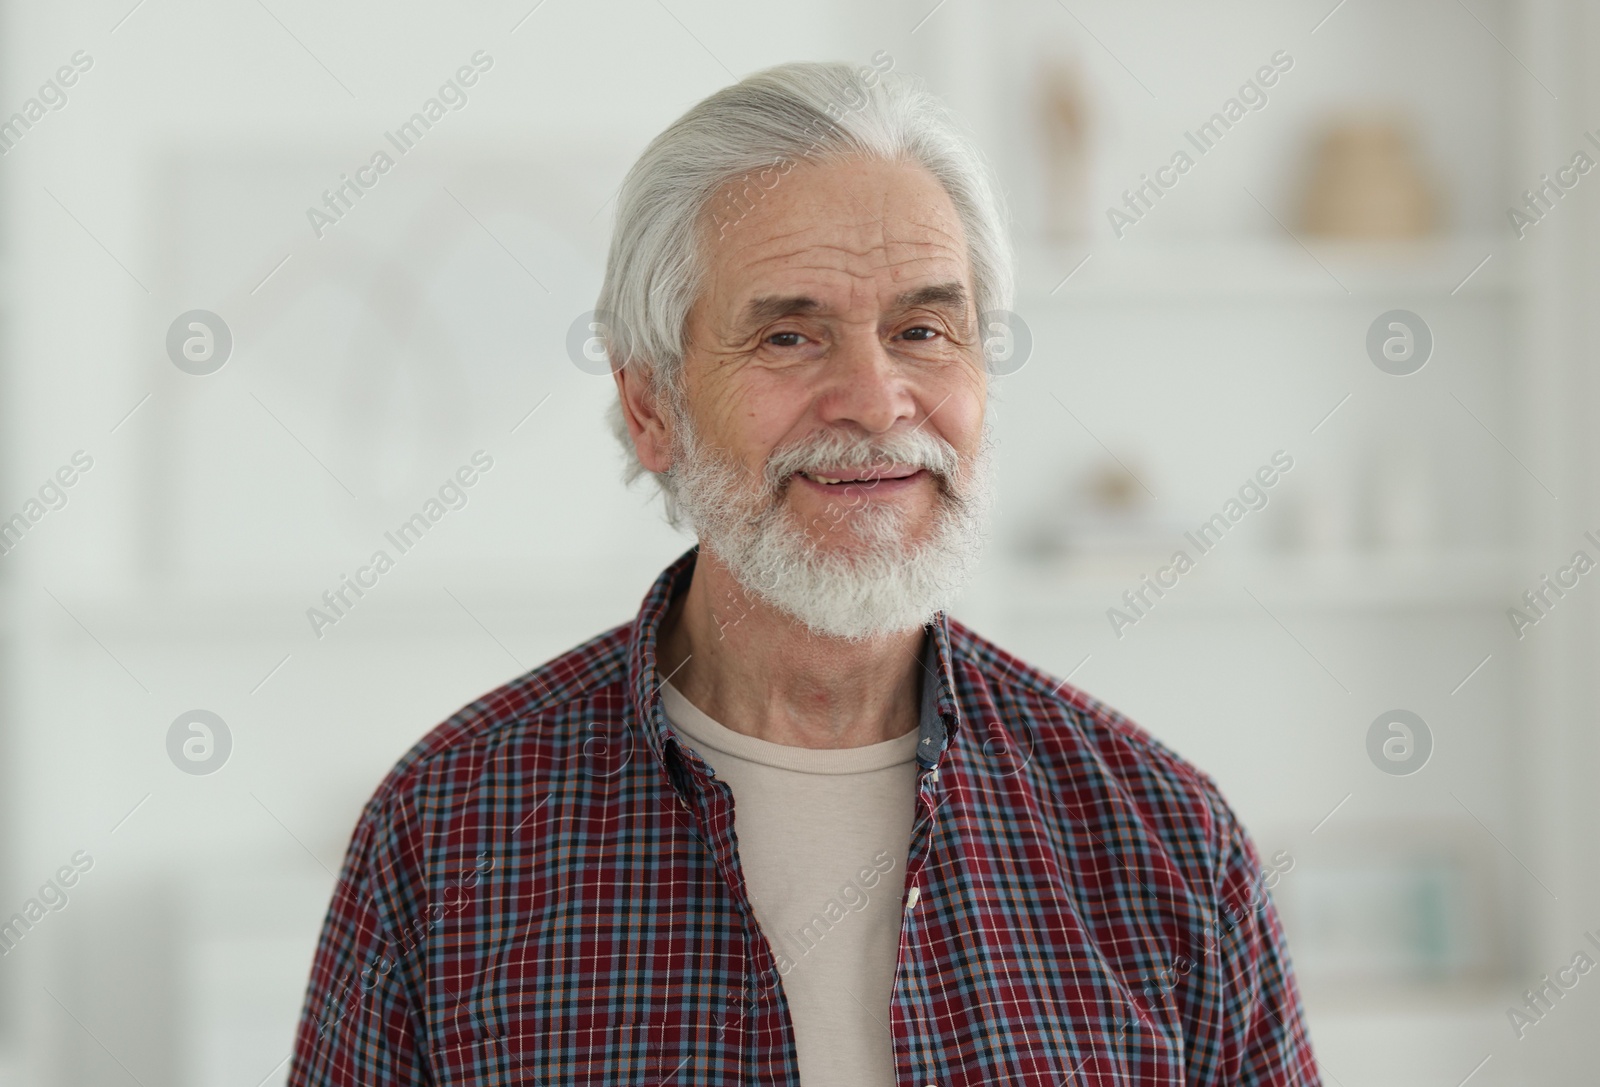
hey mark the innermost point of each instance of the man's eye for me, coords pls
(785, 339)
(920, 334)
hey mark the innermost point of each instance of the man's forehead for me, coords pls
(833, 238)
(838, 230)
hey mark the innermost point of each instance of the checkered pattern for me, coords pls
(546, 890)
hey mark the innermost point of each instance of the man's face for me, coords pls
(834, 339)
(838, 314)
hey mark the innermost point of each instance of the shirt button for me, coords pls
(911, 898)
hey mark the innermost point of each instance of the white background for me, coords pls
(370, 363)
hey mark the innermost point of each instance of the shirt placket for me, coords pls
(910, 983)
(744, 1013)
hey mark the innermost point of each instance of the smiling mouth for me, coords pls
(845, 476)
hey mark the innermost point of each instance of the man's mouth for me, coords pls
(845, 475)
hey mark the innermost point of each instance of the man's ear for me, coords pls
(641, 410)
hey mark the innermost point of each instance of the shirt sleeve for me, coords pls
(359, 1024)
(1264, 1039)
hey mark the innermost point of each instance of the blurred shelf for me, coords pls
(274, 608)
(1418, 998)
(1263, 267)
(1079, 585)
(1089, 584)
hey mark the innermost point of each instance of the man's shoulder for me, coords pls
(533, 713)
(1084, 745)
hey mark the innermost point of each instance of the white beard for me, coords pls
(876, 583)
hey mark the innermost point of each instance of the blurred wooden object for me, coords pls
(1367, 182)
(1064, 116)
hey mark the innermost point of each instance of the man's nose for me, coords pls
(864, 384)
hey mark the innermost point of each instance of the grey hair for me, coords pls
(769, 120)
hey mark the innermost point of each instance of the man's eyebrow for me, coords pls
(951, 294)
(768, 307)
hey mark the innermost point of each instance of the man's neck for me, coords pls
(754, 669)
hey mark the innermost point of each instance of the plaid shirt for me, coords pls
(546, 890)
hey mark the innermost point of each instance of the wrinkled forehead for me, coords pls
(846, 235)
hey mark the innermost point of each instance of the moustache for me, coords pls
(834, 452)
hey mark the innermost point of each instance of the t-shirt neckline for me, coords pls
(705, 731)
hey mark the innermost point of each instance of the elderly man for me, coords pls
(793, 824)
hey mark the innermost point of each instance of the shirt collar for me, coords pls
(939, 721)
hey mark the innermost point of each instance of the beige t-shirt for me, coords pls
(823, 836)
